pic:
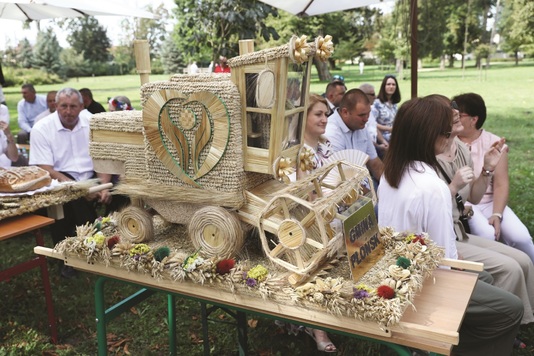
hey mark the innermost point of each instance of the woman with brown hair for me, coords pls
(385, 105)
(414, 198)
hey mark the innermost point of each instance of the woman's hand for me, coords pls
(495, 221)
(462, 177)
(493, 155)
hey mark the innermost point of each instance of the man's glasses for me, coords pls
(338, 78)
(370, 94)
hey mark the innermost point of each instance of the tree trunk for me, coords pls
(516, 58)
(322, 70)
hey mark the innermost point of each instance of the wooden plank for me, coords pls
(19, 225)
(433, 325)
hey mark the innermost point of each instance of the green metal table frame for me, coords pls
(104, 316)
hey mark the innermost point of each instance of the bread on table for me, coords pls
(23, 179)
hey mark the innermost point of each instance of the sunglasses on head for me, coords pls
(338, 78)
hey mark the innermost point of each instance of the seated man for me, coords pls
(60, 145)
(334, 93)
(28, 108)
(92, 106)
(8, 149)
(346, 129)
(51, 103)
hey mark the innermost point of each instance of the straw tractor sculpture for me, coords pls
(214, 151)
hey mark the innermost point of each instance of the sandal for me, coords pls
(324, 346)
(518, 344)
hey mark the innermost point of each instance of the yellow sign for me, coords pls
(364, 248)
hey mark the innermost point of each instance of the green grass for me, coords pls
(142, 331)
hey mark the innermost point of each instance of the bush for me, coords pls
(19, 76)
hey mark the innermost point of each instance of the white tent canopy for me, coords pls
(318, 7)
(28, 10)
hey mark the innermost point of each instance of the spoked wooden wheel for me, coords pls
(216, 232)
(135, 224)
(293, 234)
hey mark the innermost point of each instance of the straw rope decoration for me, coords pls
(135, 224)
(166, 136)
(216, 232)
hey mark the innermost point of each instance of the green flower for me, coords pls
(139, 249)
(259, 273)
(97, 239)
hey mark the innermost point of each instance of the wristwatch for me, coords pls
(499, 215)
(486, 172)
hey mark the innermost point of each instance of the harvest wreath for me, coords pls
(381, 295)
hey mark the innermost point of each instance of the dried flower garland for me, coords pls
(381, 295)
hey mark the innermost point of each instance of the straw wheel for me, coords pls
(293, 234)
(135, 224)
(216, 232)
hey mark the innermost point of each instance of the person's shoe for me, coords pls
(323, 343)
(68, 272)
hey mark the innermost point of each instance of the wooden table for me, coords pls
(433, 326)
(16, 226)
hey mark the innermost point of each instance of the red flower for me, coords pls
(385, 292)
(113, 241)
(224, 266)
(420, 240)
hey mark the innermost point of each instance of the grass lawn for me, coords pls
(23, 331)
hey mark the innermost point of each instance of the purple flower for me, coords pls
(251, 282)
(360, 293)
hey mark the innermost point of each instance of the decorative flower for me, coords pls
(112, 241)
(299, 49)
(361, 291)
(224, 266)
(398, 273)
(139, 249)
(251, 282)
(385, 292)
(95, 241)
(403, 262)
(161, 253)
(419, 239)
(283, 169)
(192, 262)
(259, 273)
(306, 157)
(325, 48)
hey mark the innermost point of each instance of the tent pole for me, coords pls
(414, 46)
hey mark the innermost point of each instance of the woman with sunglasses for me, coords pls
(385, 105)
(492, 219)
(511, 269)
(414, 198)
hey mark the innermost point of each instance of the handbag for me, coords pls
(464, 218)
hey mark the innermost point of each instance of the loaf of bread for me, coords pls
(23, 179)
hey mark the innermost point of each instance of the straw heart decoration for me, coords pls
(212, 126)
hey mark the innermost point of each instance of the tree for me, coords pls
(153, 30)
(24, 54)
(171, 56)
(46, 52)
(74, 63)
(517, 26)
(219, 24)
(87, 36)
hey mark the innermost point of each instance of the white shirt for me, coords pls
(4, 116)
(65, 150)
(42, 115)
(28, 111)
(343, 138)
(422, 203)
